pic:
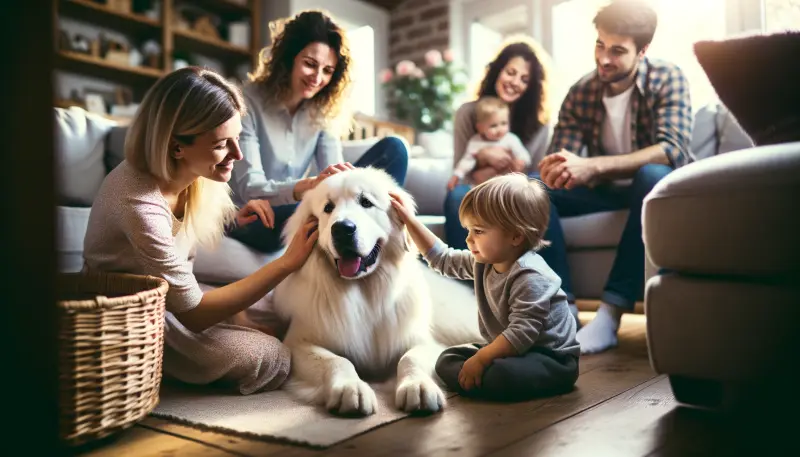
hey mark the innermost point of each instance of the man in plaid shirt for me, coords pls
(620, 130)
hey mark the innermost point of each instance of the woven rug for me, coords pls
(270, 415)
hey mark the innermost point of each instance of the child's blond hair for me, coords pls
(512, 202)
(487, 106)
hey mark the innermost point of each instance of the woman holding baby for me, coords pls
(518, 76)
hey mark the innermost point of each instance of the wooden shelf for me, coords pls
(125, 74)
(186, 40)
(98, 14)
(225, 7)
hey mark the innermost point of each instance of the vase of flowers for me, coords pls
(424, 96)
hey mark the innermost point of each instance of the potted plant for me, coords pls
(424, 97)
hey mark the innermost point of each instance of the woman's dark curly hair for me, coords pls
(531, 111)
(289, 37)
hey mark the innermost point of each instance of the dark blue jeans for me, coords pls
(389, 154)
(454, 233)
(625, 284)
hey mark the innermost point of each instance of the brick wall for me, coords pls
(417, 26)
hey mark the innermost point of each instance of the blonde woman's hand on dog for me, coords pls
(254, 210)
(301, 245)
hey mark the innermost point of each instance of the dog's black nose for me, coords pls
(343, 230)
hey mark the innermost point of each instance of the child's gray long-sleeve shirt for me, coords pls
(525, 304)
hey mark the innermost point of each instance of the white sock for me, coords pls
(601, 333)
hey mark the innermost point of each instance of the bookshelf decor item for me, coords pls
(225, 31)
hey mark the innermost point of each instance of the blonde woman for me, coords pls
(170, 194)
(294, 101)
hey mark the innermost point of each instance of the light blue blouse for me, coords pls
(277, 149)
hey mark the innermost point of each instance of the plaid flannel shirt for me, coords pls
(661, 113)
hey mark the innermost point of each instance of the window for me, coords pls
(483, 44)
(362, 50)
(781, 15)
(681, 23)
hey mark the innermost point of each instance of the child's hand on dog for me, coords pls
(405, 213)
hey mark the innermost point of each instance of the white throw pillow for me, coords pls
(80, 147)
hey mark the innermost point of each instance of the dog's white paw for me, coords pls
(351, 396)
(419, 394)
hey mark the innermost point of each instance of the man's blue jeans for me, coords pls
(625, 284)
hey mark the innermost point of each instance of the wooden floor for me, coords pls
(620, 408)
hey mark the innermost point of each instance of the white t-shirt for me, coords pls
(476, 143)
(616, 134)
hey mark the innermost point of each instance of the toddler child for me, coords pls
(531, 348)
(491, 122)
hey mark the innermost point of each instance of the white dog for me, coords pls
(360, 307)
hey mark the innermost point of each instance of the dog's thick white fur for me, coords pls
(368, 318)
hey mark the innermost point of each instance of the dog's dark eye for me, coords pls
(364, 201)
(329, 207)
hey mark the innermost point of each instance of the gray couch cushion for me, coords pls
(229, 262)
(71, 228)
(80, 147)
(115, 147)
(596, 230)
(727, 214)
(426, 181)
(694, 325)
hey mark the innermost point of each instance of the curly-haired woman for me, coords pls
(518, 75)
(294, 100)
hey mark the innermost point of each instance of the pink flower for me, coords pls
(386, 75)
(433, 58)
(418, 73)
(405, 67)
(448, 55)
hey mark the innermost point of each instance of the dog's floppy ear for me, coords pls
(408, 202)
(296, 220)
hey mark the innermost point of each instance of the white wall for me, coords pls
(355, 13)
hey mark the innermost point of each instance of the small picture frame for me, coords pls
(95, 104)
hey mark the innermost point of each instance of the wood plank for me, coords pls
(102, 15)
(622, 426)
(190, 41)
(231, 443)
(101, 68)
(145, 442)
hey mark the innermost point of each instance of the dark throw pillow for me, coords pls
(758, 78)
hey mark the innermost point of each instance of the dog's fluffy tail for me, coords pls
(455, 310)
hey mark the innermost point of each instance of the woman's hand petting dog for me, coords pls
(253, 210)
(301, 245)
(306, 184)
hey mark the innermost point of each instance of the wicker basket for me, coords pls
(111, 338)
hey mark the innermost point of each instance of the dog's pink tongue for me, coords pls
(349, 267)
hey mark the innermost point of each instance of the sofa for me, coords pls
(88, 146)
(722, 313)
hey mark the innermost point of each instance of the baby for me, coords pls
(492, 121)
(531, 348)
